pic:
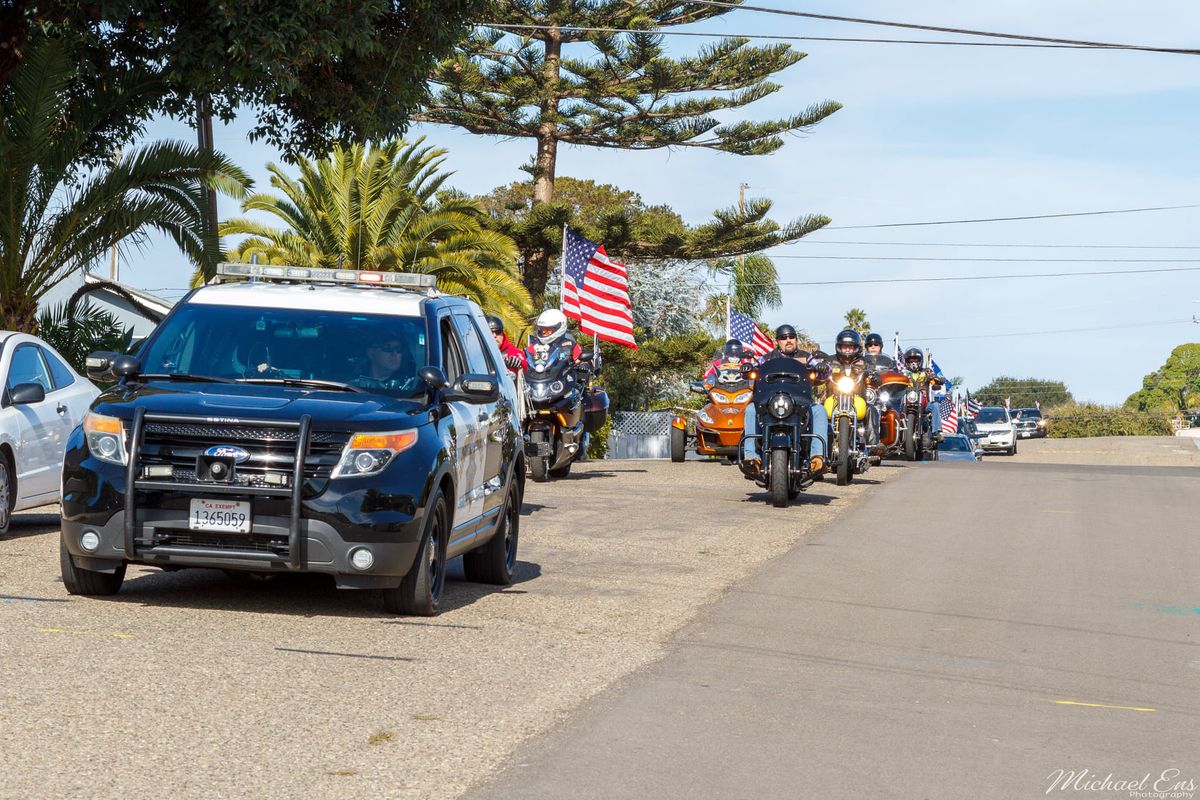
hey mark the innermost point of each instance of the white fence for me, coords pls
(640, 434)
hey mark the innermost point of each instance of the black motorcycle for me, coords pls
(920, 434)
(561, 408)
(783, 429)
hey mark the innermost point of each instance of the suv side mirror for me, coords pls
(99, 365)
(474, 389)
(25, 393)
(125, 365)
(433, 377)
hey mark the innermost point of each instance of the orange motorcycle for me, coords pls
(717, 427)
(890, 401)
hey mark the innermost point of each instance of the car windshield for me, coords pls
(377, 353)
(1030, 413)
(955, 444)
(991, 415)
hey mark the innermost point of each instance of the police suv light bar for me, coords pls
(272, 272)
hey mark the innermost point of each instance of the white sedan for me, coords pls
(996, 422)
(43, 401)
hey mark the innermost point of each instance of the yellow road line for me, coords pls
(86, 633)
(1102, 705)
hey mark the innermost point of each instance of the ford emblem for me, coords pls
(238, 454)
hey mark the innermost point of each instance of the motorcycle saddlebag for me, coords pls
(595, 409)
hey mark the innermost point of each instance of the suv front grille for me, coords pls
(272, 450)
(260, 544)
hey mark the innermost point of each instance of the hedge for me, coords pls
(1087, 419)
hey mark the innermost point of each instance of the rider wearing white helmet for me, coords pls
(551, 328)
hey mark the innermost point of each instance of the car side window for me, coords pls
(453, 363)
(477, 358)
(27, 366)
(63, 377)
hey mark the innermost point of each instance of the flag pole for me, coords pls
(728, 318)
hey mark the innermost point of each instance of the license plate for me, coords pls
(229, 516)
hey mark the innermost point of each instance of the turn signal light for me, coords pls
(382, 441)
(816, 464)
(96, 423)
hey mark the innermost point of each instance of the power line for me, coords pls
(948, 278)
(1160, 323)
(941, 29)
(1007, 219)
(997, 259)
(516, 27)
(1009, 244)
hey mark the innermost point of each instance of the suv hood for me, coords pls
(228, 402)
(990, 427)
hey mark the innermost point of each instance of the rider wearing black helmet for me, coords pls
(848, 348)
(514, 358)
(848, 359)
(914, 364)
(733, 354)
(787, 345)
(874, 356)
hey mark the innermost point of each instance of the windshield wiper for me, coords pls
(314, 382)
(182, 376)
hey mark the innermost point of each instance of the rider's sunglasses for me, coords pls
(785, 338)
(391, 347)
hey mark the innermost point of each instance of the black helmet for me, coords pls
(734, 349)
(495, 324)
(914, 354)
(848, 345)
(785, 332)
(873, 339)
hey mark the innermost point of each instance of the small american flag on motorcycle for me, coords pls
(742, 328)
(949, 414)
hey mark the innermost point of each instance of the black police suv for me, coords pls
(306, 420)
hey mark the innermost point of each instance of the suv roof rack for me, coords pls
(360, 277)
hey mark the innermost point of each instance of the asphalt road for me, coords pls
(965, 631)
(188, 685)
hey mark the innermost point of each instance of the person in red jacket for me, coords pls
(514, 357)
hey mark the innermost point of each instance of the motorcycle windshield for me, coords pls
(782, 375)
(895, 394)
(545, 362)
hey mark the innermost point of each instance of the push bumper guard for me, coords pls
(295, 493)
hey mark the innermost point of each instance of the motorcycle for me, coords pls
(847, 409)
(921, 435)
(890, 401)
(783, 400)
(562, 408)
(720, 423)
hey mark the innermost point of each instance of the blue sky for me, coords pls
(933, 133)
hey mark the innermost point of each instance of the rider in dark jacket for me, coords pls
(874, 356)
(787, 345)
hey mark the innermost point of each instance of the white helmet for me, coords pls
(550, 325)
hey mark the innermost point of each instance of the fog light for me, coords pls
(361, 559)
(90, 541)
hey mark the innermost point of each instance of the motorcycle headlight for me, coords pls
(845, 384)
(782, 405)
(912, 396)
(704, 417)
(744, 397)
(871, 396)
(105, 438)
(884, 396)
(368, 453)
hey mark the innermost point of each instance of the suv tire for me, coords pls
(421, 590)
(85, 581)
(495, 562)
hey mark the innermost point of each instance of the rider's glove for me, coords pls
(512, 362)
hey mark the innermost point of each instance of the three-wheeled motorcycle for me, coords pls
(718, 426)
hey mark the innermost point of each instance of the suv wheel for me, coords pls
(85, 581)
(495, 561)
(6, 495)
(421, 590)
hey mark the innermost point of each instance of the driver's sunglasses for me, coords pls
(390, 348)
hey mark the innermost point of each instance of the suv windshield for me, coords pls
(955, 444)
(991, 416)
(1030, 413)
(375, 353)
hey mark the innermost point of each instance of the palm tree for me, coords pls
(57, 218)
(856, 320)
(378, 207)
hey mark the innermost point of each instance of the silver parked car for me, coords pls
(43, 401)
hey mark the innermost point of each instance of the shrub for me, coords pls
(1074, 421)
(598, 441)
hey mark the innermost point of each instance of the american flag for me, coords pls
(596, 291)
(949, 413)
(742, 328)
(973, 405)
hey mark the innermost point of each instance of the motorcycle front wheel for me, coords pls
(781, 478)
(844, 467)
(910, 437)
(539, 468)
(678, 444)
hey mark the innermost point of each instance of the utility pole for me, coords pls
(114, 264)
(742, 187)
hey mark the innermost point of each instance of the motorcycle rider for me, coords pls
(733, 354)
(848, 352)
(874, 356)
(787, 345)
(514, 358)
(550, 330)
(914, 365)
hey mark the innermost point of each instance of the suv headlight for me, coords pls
(368, 453)
(105, 437)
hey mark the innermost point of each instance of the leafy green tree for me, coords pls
(378, 207)
(1023, 392)
(53, 223)
(636, 233)
(312, 70)
(657, 373)
(856, 320)
(1175, 386)
(620, 90)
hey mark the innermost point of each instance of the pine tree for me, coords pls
(628, 94)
